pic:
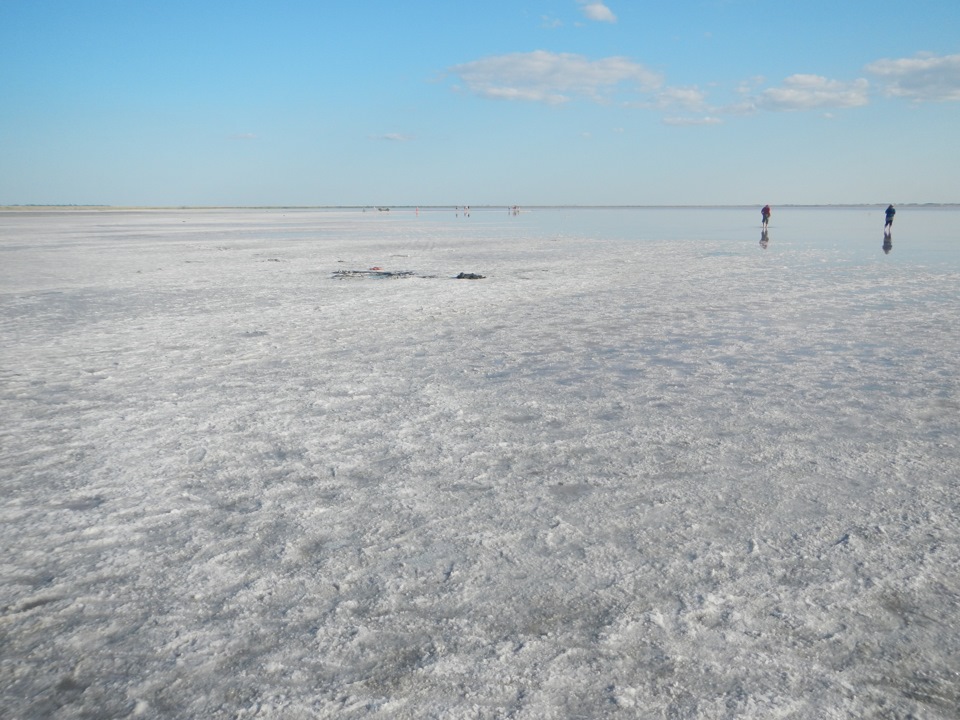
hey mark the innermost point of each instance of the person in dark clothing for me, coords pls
(888, 226)
(765, 214)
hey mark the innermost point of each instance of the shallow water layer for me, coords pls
(647, 466)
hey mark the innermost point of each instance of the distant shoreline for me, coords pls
(384, 208)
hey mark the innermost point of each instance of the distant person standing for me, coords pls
(765, 214)
(888, 226)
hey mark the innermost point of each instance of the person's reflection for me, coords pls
(764, 239)
(887, 243)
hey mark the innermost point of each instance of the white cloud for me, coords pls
(810, 92)
(706, 120)
(595, 10)
(691, 99)
(553, 78)
(750, 85)
(244, 136)
(922, 78)
(394, 137)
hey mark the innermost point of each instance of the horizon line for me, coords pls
(387, 207)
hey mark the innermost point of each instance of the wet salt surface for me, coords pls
(644, 468)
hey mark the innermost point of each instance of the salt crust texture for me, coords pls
(644, 468)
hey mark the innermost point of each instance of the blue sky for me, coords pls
(234, 102)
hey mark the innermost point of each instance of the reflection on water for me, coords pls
(764, 239)
(837, 233)
(887, 243)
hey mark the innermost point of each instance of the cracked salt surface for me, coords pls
(645, 468)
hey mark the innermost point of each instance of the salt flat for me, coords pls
(644, 468)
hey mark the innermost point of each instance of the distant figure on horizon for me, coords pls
(765, 214)
(888, 226)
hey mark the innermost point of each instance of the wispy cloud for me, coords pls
(394, 137)
(921, 78)
(795, 93)
(682, 121)
(596, 10)
(553, 78)
(690, 99)
(556, 78)
(749, 86)
(812, 92)
(243, 136)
